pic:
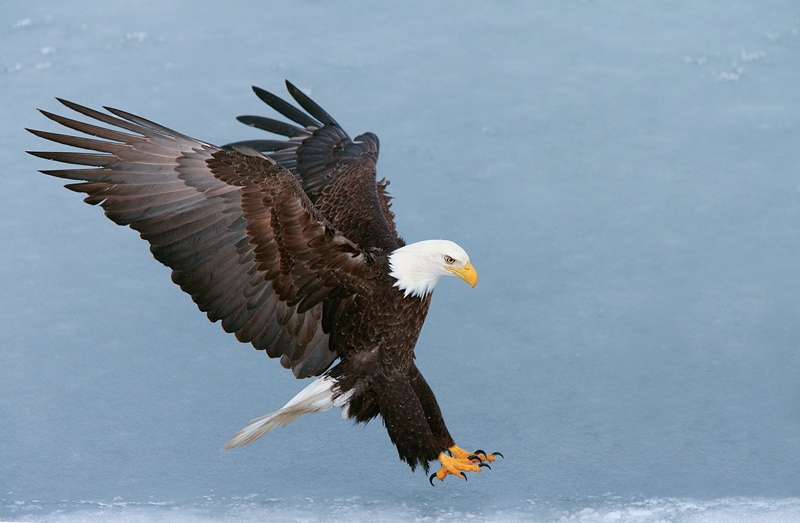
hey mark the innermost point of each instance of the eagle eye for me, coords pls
(449, 260)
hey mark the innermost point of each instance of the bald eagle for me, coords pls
(292, 245)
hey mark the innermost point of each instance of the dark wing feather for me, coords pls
(334, 170)
(310, 105)
(272, 126)
(238, 232)
(286, 109)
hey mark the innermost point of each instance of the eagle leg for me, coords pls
(455, 461)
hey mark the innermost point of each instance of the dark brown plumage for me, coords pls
(289, 244)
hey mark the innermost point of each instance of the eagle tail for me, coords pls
(319, 396)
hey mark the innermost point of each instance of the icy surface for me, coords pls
(624, 175)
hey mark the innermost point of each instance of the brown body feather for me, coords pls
(288, 249)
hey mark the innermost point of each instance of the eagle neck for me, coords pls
(413, 271)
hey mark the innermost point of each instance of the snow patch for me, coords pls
(251, 509)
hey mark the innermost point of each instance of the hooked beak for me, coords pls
(466, 273)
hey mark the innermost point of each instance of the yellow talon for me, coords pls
(455, 465)
(460, 453)
(460, 461)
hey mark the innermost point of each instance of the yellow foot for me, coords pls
(460, 461)
(476, 457)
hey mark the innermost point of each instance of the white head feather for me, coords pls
(417, 267)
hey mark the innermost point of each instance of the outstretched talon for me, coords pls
(482, 456)
(454, 466)
(455, 461)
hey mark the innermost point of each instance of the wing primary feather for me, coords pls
(97, 115)
(86, 128)
(150, 125)
(264, 146)
(88, 159)
(157, 144)
(310, 105)
(289, 111)
(272, 126)
(78, 141)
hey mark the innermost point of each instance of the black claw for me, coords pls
(431, 479)
(479, 451)
(498, 454)
(473, 456)
(463, 475)
(484, 465)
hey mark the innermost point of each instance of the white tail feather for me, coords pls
(317, 397)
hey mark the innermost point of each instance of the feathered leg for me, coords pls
(459, 459)
(431, 408)
(404, 417)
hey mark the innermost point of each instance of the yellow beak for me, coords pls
(466, 273)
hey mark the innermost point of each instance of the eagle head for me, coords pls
(417, 267)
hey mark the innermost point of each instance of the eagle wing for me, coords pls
(240, 235)
(320, 153)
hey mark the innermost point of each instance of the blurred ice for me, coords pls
(731, 510)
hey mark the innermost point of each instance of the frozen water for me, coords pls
(245, 510)
(624, 176)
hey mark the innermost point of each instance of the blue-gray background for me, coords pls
(626, 179)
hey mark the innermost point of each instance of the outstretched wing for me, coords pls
(239, 234)
(330, 166)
